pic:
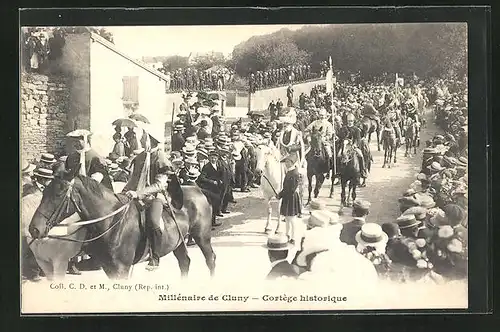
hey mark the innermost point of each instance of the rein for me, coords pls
(57, 213)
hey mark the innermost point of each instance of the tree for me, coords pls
(174, 62)
(208, 60)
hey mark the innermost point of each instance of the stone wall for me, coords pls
(44, 107)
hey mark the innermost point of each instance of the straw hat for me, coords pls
(278, 242)
(44, 173)
(79, 133)
(48, 158)
(407, 221)
(27, 167)
(371, 234)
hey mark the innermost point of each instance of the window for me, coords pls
(131, 90)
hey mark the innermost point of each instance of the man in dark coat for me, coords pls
(360, 209)
(291, 205)
(178, 140)
(86, 159)
(349, 131)
(227, 176)
(216, 122)
(278, 246)
(241, 170)
(210, 180)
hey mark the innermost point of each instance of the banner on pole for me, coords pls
(329, 81)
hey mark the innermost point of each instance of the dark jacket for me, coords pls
(282, 269)
(202, 134)
(210, 178)
(178, 142)
(290, 200)
(349, 230)
(93, 164)
(398, 252)
(353, 133)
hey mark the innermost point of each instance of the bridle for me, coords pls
(65, 204)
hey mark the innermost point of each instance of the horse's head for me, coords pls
(264, 154)
(316, 141)
(62, 198)
(347, 151)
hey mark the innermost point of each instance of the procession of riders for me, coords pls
(220, 158)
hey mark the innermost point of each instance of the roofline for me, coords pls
(112, 47)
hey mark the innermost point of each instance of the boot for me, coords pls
(72, 269)
(154, 261)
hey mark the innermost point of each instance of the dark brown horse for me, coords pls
(410, 131)
(370, 126)
(349, 172)
(318, 163)
(116, 233)
(389, 142)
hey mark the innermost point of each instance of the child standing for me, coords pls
(289, 195)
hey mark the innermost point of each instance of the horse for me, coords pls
(318, 163)
(270, 168)
(51, 255)
(349, 172)
(370, 126)
(389, 142)
(410, 134)
(114, 224)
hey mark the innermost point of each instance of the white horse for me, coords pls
(271, 170)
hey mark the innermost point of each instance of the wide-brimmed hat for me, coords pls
(223, 139)
(203, 152)
(193, 140)
(189, 149)
(316, 205)
(208, 140)
(418, 211)
(361, 205)
(27, 167)
(79, 133)
(407, 221)
(463, 160)
(44, 173)
(278, 242)
(191, 160)
(409, 192)
(213, 152)
(424, 200)
(371, 234)
(113, 167)
(435, 167)
(178, 161)
(322, 218)
(48, 158)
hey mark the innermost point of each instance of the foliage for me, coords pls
(237, 83)
(208, 60)
(174, 62)
(269, 51)
(429, 49)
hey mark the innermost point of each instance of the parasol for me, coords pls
(125, 123)
(139, 117)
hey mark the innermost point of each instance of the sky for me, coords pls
(181, 40)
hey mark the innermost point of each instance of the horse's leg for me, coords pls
(309, 187)
(59, 267)
(407, 143)
(343, 183)
(395, 152)
(385, 155)
(354, 185)
(269, 213)
(320, 178)
(378, 138)
(203, 241)
(183, 259)
(333, 178)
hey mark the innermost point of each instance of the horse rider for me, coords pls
(290, 140)
(325, 127)
(370, 112)
(91, 164)
(149, 179)
(394, 116)
(353, 133)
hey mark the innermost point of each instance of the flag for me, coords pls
(330, 80)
